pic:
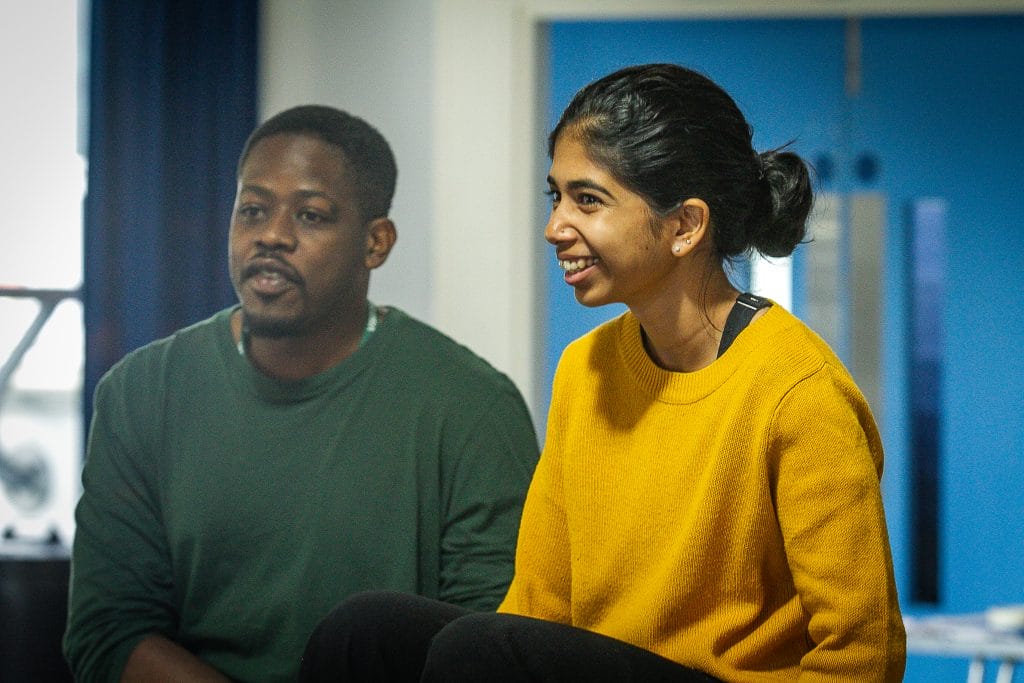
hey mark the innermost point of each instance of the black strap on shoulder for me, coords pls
(739, 317)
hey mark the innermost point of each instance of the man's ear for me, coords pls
(380, 238)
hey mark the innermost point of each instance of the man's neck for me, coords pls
(298, 356)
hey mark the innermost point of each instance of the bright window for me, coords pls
(42, 183)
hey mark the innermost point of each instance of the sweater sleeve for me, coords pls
(121, 588)
(829, 464)
(486, 485)
(542, 584)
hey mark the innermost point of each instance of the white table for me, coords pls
(966, 635)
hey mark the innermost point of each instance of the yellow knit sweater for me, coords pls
(729, 519)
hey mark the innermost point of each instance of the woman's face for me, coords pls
(610, 244)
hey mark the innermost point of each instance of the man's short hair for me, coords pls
(367, 154)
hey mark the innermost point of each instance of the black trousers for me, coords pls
(385, 636)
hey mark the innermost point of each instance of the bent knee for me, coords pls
(480, 634)
(356, 614)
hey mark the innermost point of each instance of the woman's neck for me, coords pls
(682, 332)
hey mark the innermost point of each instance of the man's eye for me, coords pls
(308, 216)
(250, 212)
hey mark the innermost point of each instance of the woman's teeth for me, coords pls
(575, 265)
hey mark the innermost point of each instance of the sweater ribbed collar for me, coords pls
(688, 387)
(279, 391)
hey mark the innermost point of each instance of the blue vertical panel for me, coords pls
(172, 98)
(926, 350)
(786, 76)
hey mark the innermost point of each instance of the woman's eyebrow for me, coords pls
(583, 184)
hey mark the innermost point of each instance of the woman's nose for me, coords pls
(557, 230)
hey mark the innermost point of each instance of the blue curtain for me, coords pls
(172, 97)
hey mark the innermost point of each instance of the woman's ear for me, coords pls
(380, 238)
(691, 225)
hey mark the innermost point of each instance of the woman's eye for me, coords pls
(588, 200)
(553, 196)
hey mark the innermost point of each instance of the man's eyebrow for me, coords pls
(255, 189)
(266, 192)
(583, 184)
(308, 194)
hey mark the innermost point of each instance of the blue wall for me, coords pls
(941, 110)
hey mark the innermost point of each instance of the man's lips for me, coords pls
(270, 276)
(269, 267)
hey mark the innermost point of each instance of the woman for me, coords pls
(707, 506)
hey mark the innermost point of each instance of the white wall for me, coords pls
(436, 79)
(451, 84)
(374, 60)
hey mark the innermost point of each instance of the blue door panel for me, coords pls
(943, 106)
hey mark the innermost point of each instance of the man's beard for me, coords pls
(269, 328)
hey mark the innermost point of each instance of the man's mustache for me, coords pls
(271, 262)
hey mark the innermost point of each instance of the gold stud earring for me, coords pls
(687, 241)
(676, 248)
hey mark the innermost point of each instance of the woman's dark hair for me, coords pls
(367, 154)
(669, 133)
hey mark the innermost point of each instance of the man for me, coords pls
(250, 471)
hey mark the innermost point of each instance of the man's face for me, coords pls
(298, 246)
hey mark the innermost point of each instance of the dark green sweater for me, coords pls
(230, 512)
